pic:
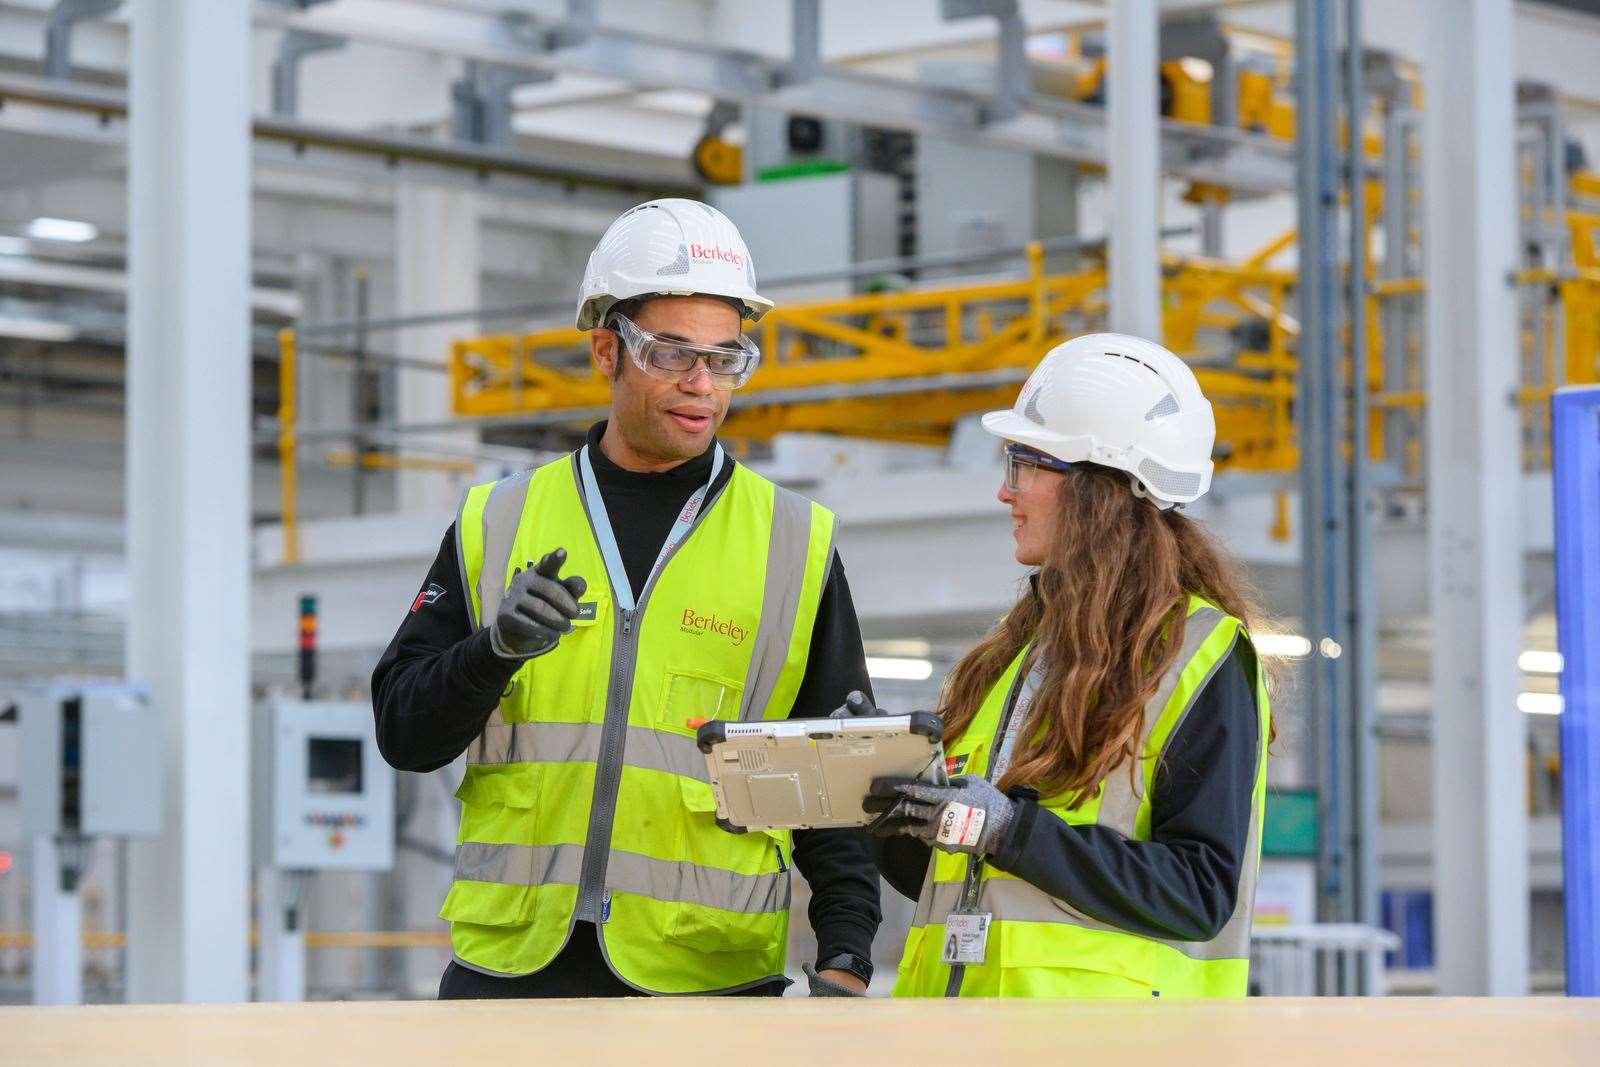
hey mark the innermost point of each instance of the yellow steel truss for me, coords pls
(905, 366)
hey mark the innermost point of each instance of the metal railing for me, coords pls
(1319, 960)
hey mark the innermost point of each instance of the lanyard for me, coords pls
(1010, 728)
(608, 539)
(1016, 717)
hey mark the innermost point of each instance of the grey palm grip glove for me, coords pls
(537, 610)
(968, 815)
(856, 706)
(826, 987)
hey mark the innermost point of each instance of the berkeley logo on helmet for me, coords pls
(716, 253)
(706, 256)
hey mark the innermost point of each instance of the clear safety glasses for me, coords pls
(673, 360)
(1022, 461)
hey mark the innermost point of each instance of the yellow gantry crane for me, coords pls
(905, 366)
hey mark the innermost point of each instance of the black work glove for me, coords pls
(967, 815)
(856, 706)
(537, 609)
(826, 987)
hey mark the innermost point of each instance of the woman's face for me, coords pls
(1034, 505)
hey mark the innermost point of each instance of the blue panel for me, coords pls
(1409, 916)
(1575, 433)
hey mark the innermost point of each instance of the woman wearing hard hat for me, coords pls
(1106, 742)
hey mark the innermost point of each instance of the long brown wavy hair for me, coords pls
(1107, 609)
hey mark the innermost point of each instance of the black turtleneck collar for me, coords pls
(693, 471)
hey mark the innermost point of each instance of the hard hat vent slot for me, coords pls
(1167, 481)
(1135, 359)
(677, 266)
(1030, 411)
(1167, 405)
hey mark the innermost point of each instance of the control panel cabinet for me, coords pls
(324, 797)
(91, 761)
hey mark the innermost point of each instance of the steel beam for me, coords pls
(294, 47)
(805, 32)
(1362, 621)
(1320, 419)
(1233, 158)
(64, 17)
(1474, 518)
(188, 490)
(371, 154)
(1133, 148)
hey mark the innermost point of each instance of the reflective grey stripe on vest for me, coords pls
(787, 553)
(1013, 900)
(563, 742)
(1119, 803)
(502, 517)
(626, 872)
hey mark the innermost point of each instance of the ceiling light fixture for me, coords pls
(36, 329)
(1539, 661)
(1288, 646)
(1540, 703)
(898, 669)
(46, 228)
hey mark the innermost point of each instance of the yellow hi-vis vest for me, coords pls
(1039, 946)
(585, 796)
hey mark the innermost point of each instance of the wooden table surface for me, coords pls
(815, 1033)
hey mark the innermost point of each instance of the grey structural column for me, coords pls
(436, 270)
(1133, 134)
(188, 502)
(1480, 867)
(1320, 423)
(1363, 608)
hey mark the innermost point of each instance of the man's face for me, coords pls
(668, 421)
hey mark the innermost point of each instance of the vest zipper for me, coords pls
(594, 902)
(972, 884)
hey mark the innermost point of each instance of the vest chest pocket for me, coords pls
(691, 694)
(565, 683)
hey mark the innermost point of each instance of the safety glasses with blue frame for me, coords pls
(1022, 461)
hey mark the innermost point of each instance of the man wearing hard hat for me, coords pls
(578, 623)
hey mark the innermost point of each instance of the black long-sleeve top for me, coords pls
(439, 679)
(1182, 883)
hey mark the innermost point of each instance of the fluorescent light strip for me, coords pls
(1289, 646)
(1540, 703)
(900, 670)
(1539, 661)
(46, 228)
(36, 329)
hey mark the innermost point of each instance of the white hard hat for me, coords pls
(669, 248)
(1120, 402)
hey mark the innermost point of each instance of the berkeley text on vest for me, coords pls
(710, 624)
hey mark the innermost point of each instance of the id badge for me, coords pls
(966, 938)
